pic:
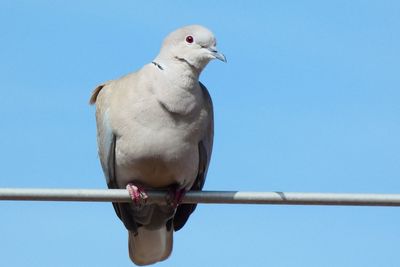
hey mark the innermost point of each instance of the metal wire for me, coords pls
(209, 197)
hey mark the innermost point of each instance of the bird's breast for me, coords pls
(159, 160)
(159, 148)
(159, 129)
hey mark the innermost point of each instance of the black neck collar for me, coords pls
(157, 65)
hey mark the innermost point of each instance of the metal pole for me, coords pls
(209, 197)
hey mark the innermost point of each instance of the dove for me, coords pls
(155, 132)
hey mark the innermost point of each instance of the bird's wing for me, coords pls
(106, 140)
(145, 246)
(105, 136)
(205, 148)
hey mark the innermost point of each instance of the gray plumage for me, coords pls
(155, 129)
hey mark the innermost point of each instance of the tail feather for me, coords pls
(150, 246)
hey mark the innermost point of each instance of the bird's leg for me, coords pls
(137, 193)
(176, 197)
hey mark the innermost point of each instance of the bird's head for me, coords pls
(195, 45)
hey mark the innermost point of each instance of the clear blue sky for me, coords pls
(309, 101)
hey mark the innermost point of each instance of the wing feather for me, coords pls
(205, 148)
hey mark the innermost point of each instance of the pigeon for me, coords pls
(155, 131)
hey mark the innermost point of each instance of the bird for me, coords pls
(155, 130)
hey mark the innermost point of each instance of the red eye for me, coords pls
(189, 39)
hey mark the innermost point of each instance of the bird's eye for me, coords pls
(189, 39)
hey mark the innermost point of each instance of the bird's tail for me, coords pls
(150, 246)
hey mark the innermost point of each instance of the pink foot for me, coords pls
(176, 197)
(137, 193)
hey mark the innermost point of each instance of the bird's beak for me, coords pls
(216, 54)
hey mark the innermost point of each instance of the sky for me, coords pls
(308, 102)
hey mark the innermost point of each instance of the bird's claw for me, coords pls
(175, 197)
(137, 194)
